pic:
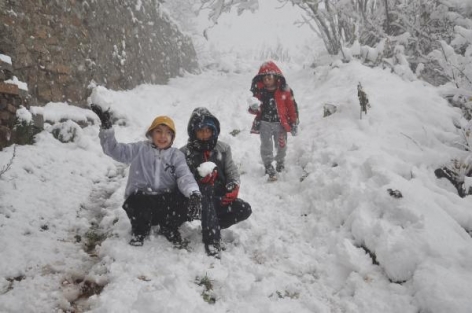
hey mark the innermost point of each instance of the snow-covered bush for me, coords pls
(65, 132)
(24, 129)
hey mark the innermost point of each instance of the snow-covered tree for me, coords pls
(434, 36)
(218, 7)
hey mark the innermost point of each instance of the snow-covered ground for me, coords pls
(326, 237)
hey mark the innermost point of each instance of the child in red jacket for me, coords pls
(276, 115)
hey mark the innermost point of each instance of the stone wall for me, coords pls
(9, 102)
(58, 47)
(11, 98)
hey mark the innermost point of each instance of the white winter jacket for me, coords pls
(152, 170)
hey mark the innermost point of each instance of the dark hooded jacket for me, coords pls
(197, 152)
(287, 109)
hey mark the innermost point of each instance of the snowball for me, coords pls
(253, 100)
(206, 168)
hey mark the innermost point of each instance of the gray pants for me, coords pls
(273, 134)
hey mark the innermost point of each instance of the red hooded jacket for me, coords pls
(286, 106)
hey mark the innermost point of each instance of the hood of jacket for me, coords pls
(268, 68)
(198, 117)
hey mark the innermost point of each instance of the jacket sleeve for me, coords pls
(295, 104)
(292, 110)
(185, 180)
(231, 170)
(121, 152)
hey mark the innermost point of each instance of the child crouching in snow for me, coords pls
(156, 170)
(212, 164)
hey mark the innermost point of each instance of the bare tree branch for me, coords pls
(9, 164)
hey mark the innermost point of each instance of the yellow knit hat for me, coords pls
(161, 120)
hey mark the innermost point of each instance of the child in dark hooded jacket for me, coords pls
(161, 190)
(221, 206)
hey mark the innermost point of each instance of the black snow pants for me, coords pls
(168, 210)
(216, 216)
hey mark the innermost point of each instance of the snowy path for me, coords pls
(280, 260)
(268, 259)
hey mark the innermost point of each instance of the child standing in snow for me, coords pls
(276, 114)
(221, 206)
(156, 170)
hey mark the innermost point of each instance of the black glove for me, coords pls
(195, 206)
(104, 117)
(294, 130)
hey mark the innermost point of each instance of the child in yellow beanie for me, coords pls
(160, 190)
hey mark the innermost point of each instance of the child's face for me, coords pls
(269, 81)
(162, 136)
(204, 133)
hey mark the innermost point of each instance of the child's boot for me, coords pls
(171, 234)
(137, 240)
(269, 170)
(213, 250)
(280, 167)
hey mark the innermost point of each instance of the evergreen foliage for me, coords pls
(24, 132)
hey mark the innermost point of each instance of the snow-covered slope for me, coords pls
(304, 249)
